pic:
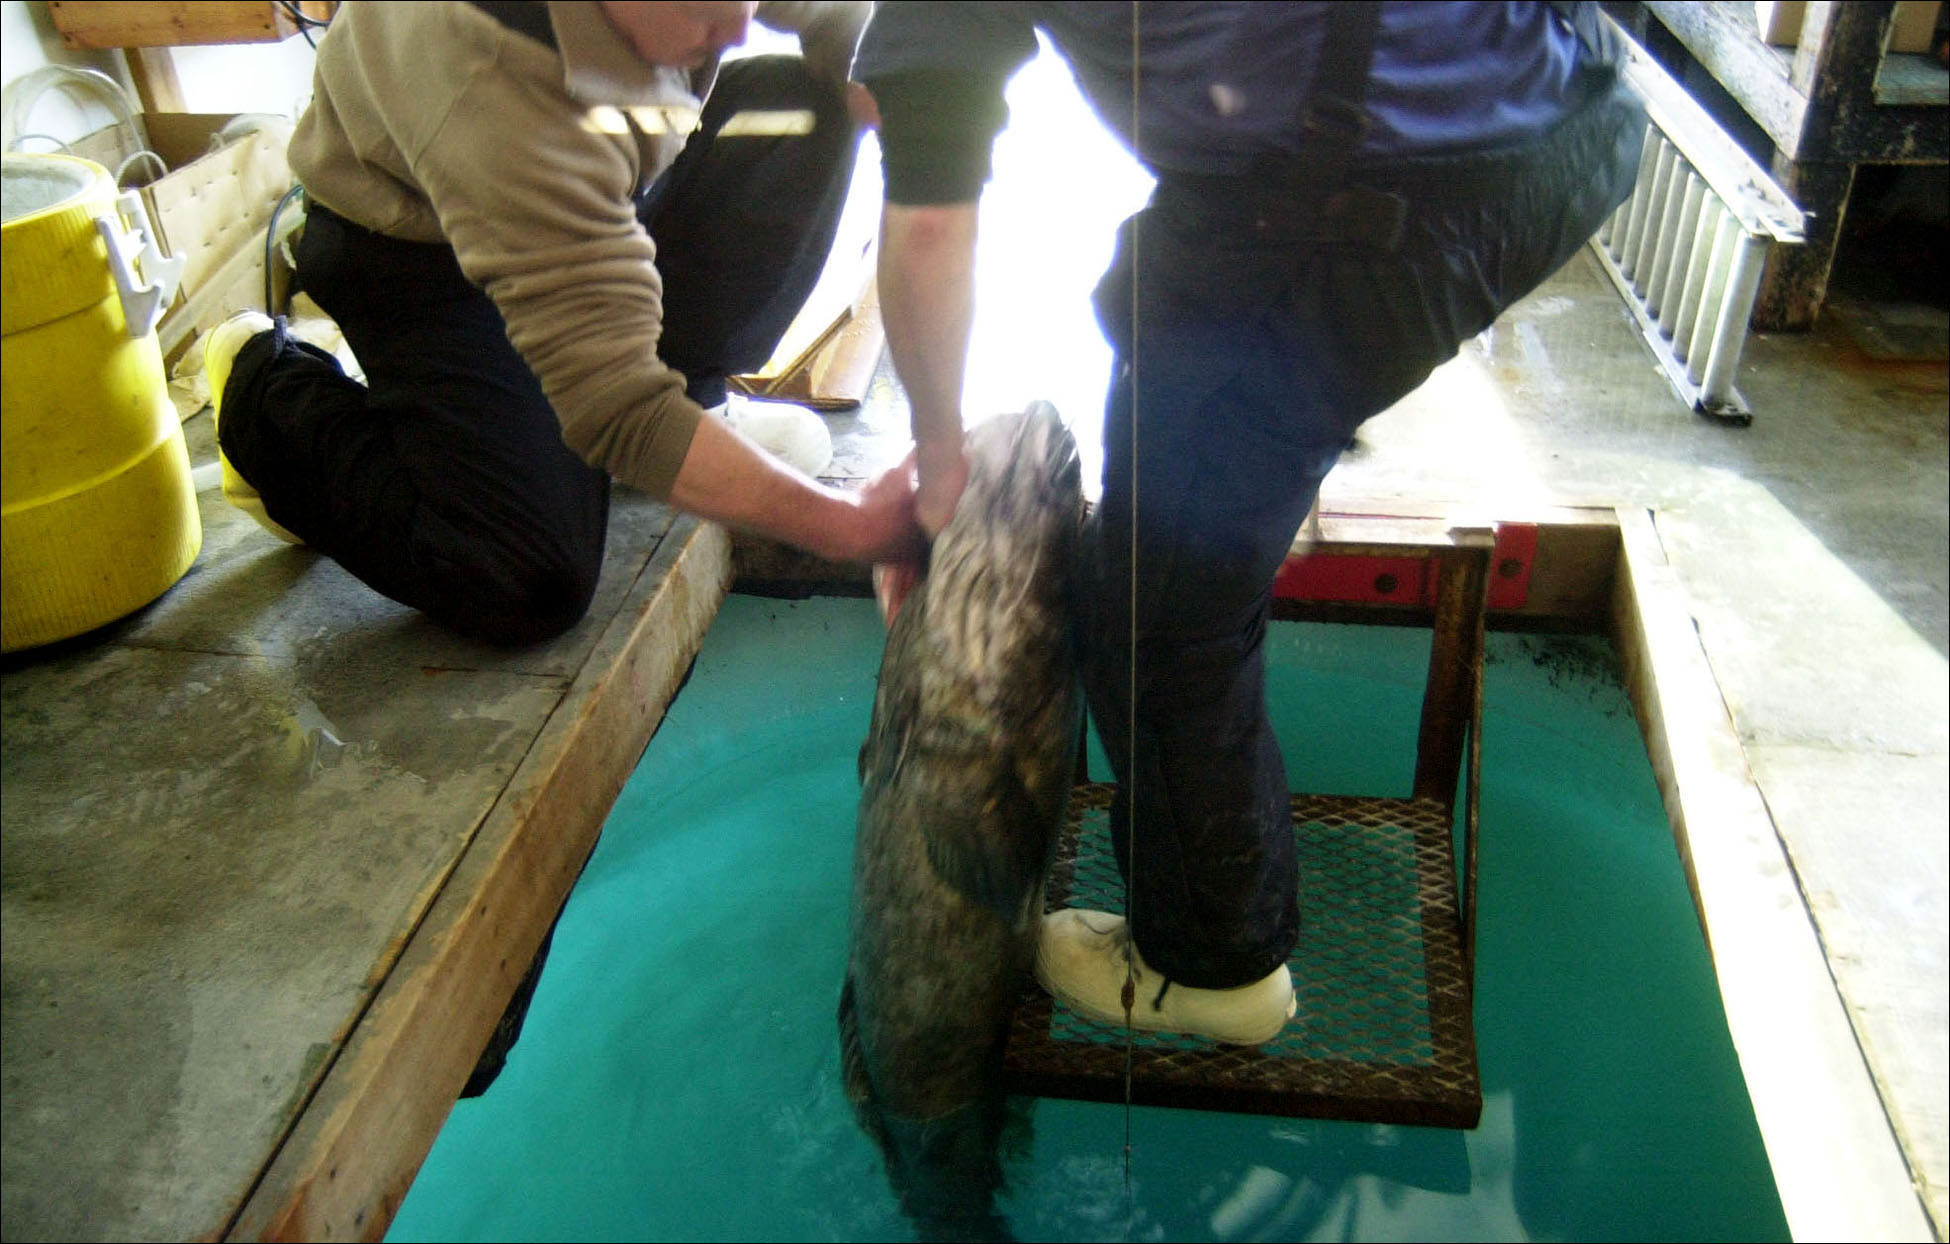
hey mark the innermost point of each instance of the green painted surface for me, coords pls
(679, 1074)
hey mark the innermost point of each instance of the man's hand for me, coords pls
(862, 106)
(886, 519)
(895, 577)
(938, 480)
(729, 480)
(942, 474)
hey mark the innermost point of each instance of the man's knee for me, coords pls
(507, 598)
(540, 609)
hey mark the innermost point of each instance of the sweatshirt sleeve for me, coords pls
(937, 72)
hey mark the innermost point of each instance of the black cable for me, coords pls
(304, 21)
(270, 248)
(301, 18)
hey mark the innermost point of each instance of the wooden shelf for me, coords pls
(101, 24)
(1907, 78)
(1827, 105)
(1834, 98)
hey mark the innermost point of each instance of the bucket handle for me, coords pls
(142, 304)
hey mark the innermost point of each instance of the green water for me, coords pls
(679, 1074)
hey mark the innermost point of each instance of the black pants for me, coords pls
(1270, 323)
(443, 482)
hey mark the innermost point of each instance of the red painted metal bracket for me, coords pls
(1366, 580)
(1511, 562)
(1359, 580)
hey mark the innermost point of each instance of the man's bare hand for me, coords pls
(886, 526)
(941, 475)
(937, 490)
(862, 106)
(892, 582)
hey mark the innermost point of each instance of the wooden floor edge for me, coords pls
(1838, 1167)
(347, 1164)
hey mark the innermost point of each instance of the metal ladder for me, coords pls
(1686, 250)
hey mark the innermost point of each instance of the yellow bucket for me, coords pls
(97, 510)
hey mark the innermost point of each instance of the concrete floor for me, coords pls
(202, 895)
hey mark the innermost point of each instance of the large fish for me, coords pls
(965, 775)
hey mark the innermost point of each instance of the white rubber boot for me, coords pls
(1081, 960)
(790, 433)
(219, 354)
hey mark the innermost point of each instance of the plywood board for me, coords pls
(1837, 1166)
(350, 1159)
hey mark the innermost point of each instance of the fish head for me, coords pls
(999, 575)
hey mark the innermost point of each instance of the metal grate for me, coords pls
(1384, 1031)
(1687, 249)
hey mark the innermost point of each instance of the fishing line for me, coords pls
(1130, 707)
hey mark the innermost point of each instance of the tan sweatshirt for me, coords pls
(433, 122)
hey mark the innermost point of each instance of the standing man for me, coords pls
(1345, 193)
(549, 232)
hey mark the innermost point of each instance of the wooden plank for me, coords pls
(828, 356)
(347, 1164)
(1570, 581)
(1870, 132)
(846, 275)
(1571, 574)
(1810, 46)
(841, 372)
(1837, 1167)
(1819, 103)
(1454, 657)
(1726, 42)
(100, 24)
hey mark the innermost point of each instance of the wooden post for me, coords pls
(1835, 65)
(1454, 654)
(153, 71)
(1795, 280)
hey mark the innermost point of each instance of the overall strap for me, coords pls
(1335, 119)
(1585, 21)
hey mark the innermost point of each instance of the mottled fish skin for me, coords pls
(965, 776)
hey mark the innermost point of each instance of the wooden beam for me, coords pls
(1455, 656)
(1835, 66)
(101, 24)
(153, 70)
(139, 23)
(1837, 1166)
(1725, 41)
(1794, 283)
